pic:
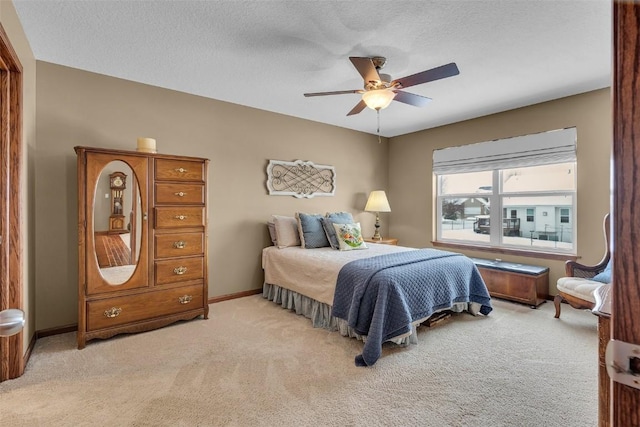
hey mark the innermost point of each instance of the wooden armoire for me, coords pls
(155, 273)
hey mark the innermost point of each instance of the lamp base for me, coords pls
(376, 235)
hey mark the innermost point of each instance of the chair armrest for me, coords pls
(575, 269)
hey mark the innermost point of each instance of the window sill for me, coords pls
(508, 251)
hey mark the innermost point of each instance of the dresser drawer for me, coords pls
(179, 270)
(174, 217)
(179, 244)
(118, 311)
(176, 194)
(179, 170)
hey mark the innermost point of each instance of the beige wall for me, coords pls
(13, 28)
(81, 108)
(411, 183)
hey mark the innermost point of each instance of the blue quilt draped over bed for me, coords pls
(381, 296)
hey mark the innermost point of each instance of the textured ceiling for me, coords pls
(266, 54)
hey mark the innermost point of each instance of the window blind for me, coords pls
(557, 146)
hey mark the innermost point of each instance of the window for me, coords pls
(530, 181)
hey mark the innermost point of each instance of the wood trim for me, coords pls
(27, 354)
(506, 251)
(55, 331)
(12, 360)
(625, 219)
(10, 60)
(5, 289)
(242, 294)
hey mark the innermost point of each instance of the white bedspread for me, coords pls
(314, 272)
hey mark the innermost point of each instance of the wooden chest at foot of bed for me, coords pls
(527, 284)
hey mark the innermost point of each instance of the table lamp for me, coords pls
(377, 203)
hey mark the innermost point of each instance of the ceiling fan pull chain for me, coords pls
(378, 111)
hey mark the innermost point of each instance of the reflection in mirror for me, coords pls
(117, 222)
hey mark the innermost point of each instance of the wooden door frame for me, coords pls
(625, 290)
(11, 188)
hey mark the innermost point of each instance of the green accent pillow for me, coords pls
(349, 236)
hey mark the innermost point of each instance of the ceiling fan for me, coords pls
(379, 90)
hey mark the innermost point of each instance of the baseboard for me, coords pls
(73, 328)
(56, 331)
(27, 354)
(242, 294)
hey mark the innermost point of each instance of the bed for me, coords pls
(379, 294)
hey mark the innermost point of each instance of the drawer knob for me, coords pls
(181, 170)
(181, 217)
(180, 244)
(180, 270)
(113, 312)
(180, 194)
(185, 299)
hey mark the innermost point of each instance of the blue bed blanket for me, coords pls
(381, 296)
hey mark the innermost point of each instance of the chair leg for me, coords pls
(557, 300)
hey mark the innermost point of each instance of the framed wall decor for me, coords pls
(300, 179)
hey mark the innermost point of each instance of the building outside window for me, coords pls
(530, 182)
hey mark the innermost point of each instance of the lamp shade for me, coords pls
(377, 202)
(377, 99)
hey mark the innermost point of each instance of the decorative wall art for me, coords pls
(300, 179)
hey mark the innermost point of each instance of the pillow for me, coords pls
(335, 218)
(272, 232)
(312, 234)
(605, 275)
(349, 236)
(286, 231)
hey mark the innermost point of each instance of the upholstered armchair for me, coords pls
(581, 281)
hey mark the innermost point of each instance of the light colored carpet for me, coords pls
(253, 363)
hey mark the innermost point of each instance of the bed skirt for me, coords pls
(320, 314)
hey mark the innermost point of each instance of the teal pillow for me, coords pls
(335, 218)
(605, 275)
(312, 234)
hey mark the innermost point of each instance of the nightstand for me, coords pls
(384, 241)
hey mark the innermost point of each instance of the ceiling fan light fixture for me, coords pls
(378, 99)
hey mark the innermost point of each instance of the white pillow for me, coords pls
(349, 236)
(286, 231)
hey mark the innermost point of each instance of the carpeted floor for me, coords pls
(253, 363)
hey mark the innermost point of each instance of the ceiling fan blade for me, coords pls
(447, 70)
(366, 68)
(358, 108)
(337, 92)
(411, 98)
